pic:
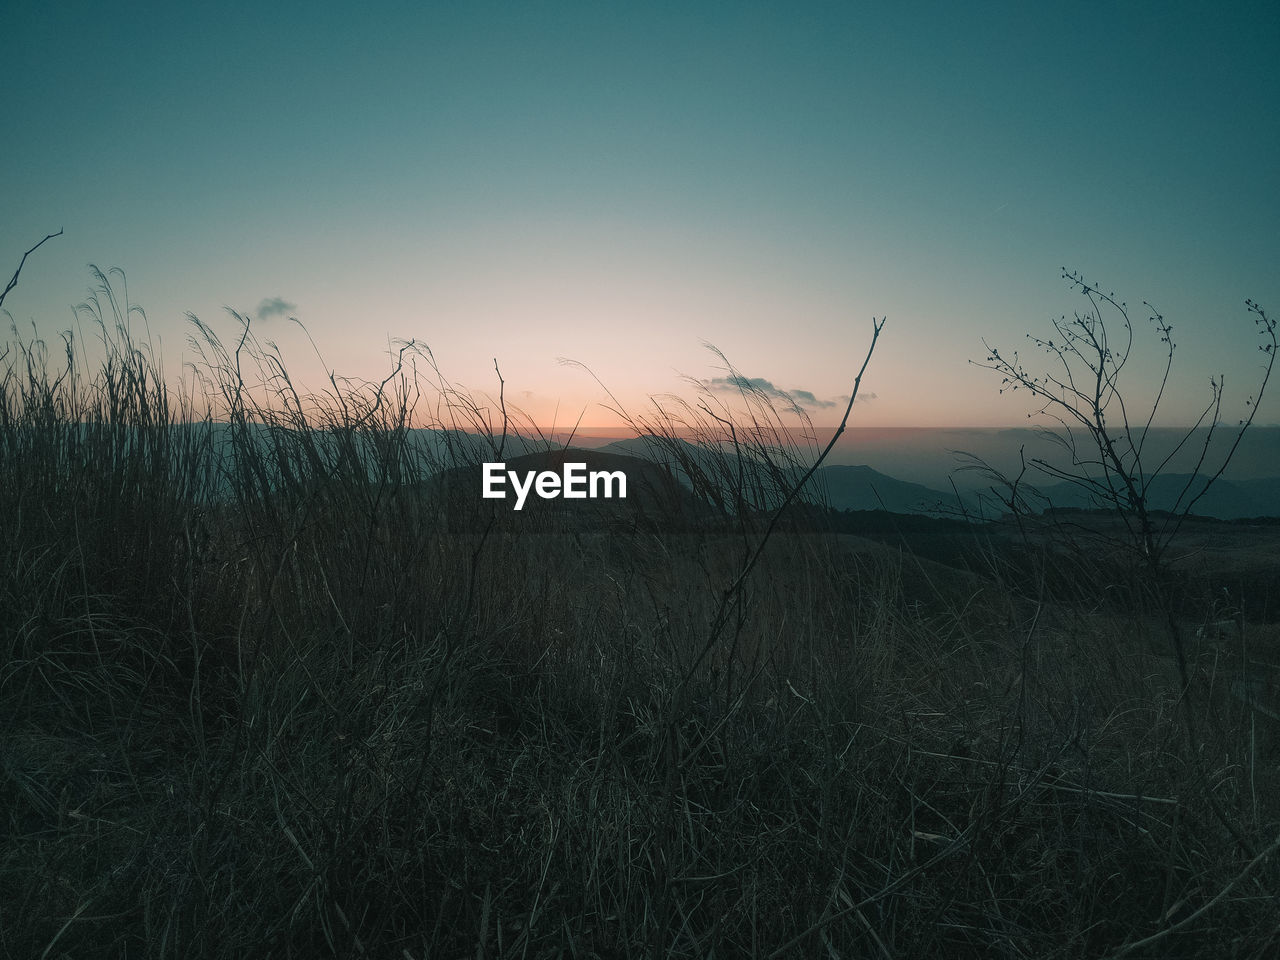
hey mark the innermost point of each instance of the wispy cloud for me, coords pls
(807, 399)
(275, 307)
(800, 398)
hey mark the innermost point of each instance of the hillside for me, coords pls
(1224, 500)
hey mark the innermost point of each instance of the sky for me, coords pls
(621, 183)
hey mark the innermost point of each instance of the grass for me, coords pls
(262, 700)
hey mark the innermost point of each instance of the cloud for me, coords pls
(862, 398)
(798, 398)
(275, 307)
(736, 383)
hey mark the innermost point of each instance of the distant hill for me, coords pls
(1224, 500)
(842, 487)
(1264, 494)
(673, 454)
(861, 488)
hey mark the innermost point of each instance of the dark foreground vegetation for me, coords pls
(264, 695)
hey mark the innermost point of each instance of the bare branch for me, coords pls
(1084, 390)
(13, 282)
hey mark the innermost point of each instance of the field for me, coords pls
(271, 691)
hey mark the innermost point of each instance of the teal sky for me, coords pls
(617, 182)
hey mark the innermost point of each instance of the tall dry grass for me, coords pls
(262, 701)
